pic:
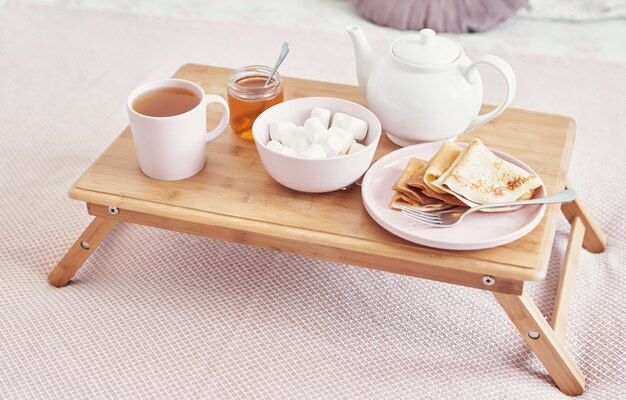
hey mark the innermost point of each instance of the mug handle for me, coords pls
(221, 127)
(511, 85)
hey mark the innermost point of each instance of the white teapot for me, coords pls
(425, 88)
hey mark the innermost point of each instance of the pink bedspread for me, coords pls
(161, 314)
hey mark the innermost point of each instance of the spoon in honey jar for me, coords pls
(283, 53)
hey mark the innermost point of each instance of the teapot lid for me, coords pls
(426, 48)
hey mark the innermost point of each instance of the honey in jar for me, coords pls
(248, 96)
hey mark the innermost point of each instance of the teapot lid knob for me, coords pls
(426, 49)
(427, 36)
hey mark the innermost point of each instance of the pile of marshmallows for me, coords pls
(315, 140)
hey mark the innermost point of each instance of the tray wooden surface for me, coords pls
(233, 198)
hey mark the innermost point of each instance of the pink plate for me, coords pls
(476, 231)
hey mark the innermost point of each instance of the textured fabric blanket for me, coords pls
(160, 314)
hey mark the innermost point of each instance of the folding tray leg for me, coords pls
(80, 251)
(568, 276)
(547, 341)
(543, 341)
(585, 232)
(595, 239)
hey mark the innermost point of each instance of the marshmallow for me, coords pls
(323, 114)
(314, 151)
(290, 133)
(344, 136)
(352, 143)
(275, 146)
(285, 137)
(298, 131)
(341, 120)
(355, 148)
(299, 144)
(277, 129)
(289, 152)
(356, 126)
(332, 145)
(320, 137)
(315, 140)
(313, 126)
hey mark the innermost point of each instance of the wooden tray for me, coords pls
(234, 199)
(235, 193)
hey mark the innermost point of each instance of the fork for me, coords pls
(448, 218)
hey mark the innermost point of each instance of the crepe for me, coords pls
(417, 181)
(411, 194)
(413, 197)
(399, 200)
(478, 176)
(440, 163)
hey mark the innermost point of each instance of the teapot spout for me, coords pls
(364, 55)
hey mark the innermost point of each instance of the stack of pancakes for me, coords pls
(465, 177)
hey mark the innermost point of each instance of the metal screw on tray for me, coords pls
(84, 245)
(533, 335)
(489, 280)
(113, 210)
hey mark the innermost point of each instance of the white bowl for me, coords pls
(315, 176)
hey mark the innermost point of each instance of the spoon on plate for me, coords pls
(283, 53)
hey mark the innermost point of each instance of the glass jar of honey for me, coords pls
(248, 96)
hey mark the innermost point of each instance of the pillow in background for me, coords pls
(454, 16)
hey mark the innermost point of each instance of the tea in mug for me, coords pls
(166, 102)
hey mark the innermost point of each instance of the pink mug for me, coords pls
(173, 148)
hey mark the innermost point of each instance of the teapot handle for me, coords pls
(511, 85)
